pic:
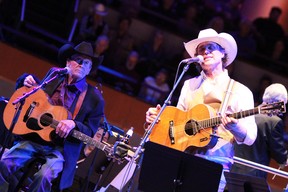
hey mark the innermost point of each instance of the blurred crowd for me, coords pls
(146, 67)
(148, 63)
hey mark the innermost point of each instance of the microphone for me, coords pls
(120, 149)
(198, 59)
(63, 71)
(127, 136)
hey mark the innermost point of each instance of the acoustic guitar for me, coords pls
(38, 119)
(179, 130)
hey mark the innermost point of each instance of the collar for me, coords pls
(79, 85)
(222, 77)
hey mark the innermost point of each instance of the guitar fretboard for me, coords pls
(89, 140)
(215, 121)
(79, 135)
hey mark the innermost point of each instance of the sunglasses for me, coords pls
(82, 61)
(210, 47)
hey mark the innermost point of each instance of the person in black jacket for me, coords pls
(270, 143)
(83, 108)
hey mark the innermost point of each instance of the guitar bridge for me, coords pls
(171, 132)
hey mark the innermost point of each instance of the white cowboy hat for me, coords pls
(224, 39)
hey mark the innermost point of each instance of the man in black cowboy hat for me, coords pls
(85, 106)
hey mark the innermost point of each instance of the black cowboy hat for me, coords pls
(84, 48)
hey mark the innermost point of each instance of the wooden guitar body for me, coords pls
(183, 138)
(37, 114)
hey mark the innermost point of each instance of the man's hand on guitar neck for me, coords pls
(151, 114)
(231, 124)
(64, 127)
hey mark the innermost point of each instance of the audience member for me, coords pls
(121, 42)
(130, 8)
(101, 47)
(155, 88)
(93, 24)
(168, 8)
(187, 25)
(232, 13)
(269, 143)
(210, 9)
(280, 51)
(152, 53)
(270, 30)
(217, 23)
(245, 40)
(130, 80)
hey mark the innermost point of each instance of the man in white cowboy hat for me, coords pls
(85, 106)
(210, 88)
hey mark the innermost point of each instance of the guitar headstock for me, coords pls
(276, 108)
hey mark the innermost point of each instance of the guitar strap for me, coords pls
(216, 143)
(79, 101)
(224, 103)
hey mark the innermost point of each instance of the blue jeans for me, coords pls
(15, 158)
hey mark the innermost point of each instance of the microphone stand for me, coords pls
(107, 127)
(14, 120)
(20, 102)
(150, 128)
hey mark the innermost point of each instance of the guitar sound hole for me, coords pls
(46, 119)
(190, 127)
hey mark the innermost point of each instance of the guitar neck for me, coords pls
(217, 120)
(86, 139)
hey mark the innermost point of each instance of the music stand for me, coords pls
(245, 183)
(166, 169)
